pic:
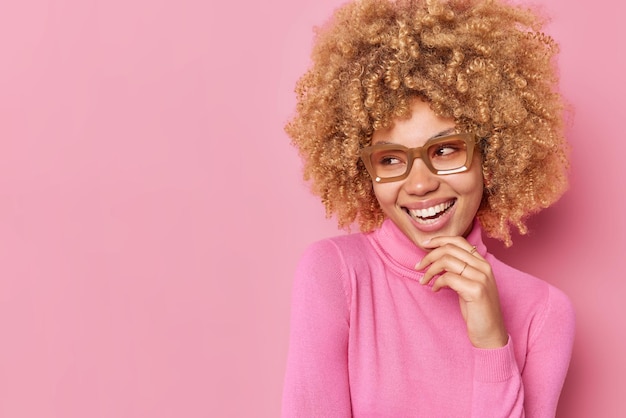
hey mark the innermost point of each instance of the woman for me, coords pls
(428, 122)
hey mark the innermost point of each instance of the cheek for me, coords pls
(380, 194)
(472, 189)
(386, 194)
(473, 186)
(472, 183)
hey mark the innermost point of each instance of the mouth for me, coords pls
(430, 215)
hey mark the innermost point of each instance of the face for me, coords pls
(426, 205)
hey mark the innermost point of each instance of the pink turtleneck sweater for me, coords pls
(367, 340)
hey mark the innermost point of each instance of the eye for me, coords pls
(390, 160)
(447, 149)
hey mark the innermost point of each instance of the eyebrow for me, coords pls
(445, 132)
(448, 131)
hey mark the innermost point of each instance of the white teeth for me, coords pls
(431, 211)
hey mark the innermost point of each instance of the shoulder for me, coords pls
(530, 298)
(342, 251)
(517, 283)
(333, 262)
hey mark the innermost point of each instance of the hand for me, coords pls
(466, 272)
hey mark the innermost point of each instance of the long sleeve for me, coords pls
(316, 380)
(502, 390)
(498, 390)
(369, 341)
(548, 356)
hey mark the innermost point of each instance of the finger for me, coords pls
(437, 253)
(446, 262)
(462, 283)
(475, 275)
(451, 249)
(473, 285)
(457, 261)
(458, 241)
(480, 306)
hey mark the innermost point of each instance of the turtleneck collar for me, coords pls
(391, 242)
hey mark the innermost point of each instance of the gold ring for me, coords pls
(473, 250)
(461, 273)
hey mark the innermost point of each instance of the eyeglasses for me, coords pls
(448, 154)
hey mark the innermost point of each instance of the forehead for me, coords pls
(421, 125)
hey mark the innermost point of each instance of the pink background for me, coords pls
(152, 210)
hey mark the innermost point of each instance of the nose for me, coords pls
(421, 180)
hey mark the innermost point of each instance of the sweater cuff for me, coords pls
(495, 365)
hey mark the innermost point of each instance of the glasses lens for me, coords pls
(449, 154)
(389, 162)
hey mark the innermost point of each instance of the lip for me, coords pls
(432, 212)
(439, 223)
(425, 204)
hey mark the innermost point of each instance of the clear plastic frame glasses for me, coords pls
(448, 154)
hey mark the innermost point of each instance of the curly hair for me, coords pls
(481, 62)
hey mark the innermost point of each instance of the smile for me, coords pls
(430, 215)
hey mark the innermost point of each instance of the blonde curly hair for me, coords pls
(481, 62)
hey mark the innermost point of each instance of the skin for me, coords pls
(451, 261)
